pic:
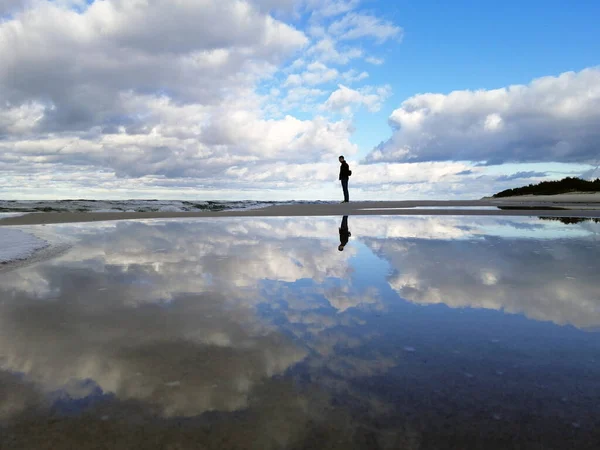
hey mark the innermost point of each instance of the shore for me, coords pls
(515, 206)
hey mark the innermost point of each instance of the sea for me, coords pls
(28, 206)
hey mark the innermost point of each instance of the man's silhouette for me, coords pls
(344, 233)
(345, 173)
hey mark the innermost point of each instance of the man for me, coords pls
(345, 173)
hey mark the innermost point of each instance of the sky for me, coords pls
(256, 99)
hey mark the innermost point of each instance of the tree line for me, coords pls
(564, 186)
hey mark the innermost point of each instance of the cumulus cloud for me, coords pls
(172, 97)
(328, 50)
(178, 140)
(9, 6)
(331, 8)
(138, 88)
(302, 98)
(550, 119)
(356, 25)
(522, 175)
(352, 76)
(344, 98)
(374, 60)
(123, 46)
(316, 73)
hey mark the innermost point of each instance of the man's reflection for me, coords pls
(344, 233)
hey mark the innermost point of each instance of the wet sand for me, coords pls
(510, 207)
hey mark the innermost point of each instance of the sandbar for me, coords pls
(510, 207)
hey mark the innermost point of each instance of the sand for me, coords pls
(560, 206)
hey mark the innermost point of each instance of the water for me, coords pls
(424, 332)
(27, 206)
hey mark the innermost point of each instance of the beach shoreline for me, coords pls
(489, 207)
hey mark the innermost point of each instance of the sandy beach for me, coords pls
(585, 206)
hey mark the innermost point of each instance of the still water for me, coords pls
(289, 333)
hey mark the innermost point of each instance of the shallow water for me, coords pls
(424, 332)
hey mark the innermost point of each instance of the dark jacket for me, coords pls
(344, 171)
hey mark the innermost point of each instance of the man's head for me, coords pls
(341, 248)
(341, 158)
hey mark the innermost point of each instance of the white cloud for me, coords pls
(9, 6)
(81, 63)
(133, 97)
(550, 119)
(151, 90)
(301, 98)
(331, 8)
(352, 76)
(315, 73)
(354, 26)
(374, 60)
(344, 98)
(325, 50)
(21, 119)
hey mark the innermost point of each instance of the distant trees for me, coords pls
(564, 186)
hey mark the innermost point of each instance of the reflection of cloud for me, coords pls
(192, 356)
(342, 299)
(175, 257)
(545, 280)
(164, 312)
(178, 318)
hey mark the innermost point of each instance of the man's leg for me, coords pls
(345, 189)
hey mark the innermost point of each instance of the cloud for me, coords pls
(331, 8)
(550, 119)
(591, 174)
(522, 175)
(125, 46)
(326, 50)
(344, 98)
(316, 73)
(355, 26)
(133, 97)
(178, 140)
(374, 60)
(352, 76)
(301, 98)
(9, 6)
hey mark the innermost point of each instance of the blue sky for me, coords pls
(477, 45)
(256, 98)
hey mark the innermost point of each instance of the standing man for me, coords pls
(345, 173)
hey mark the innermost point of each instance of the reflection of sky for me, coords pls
(533, 228)
(421, 324)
